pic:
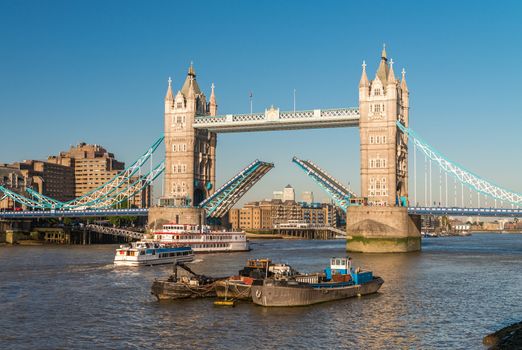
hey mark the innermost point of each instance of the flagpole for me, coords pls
(294, 101)
(251, 95)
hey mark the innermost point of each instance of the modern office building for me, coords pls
(307, 197)
(288, 193)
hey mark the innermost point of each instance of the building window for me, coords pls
(377, 108)
(371, 139)
(377, 92)
(184, 147)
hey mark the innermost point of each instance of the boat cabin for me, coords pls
(338, 266)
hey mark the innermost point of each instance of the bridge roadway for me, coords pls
(437, 211)
(39, 214)
(455, 211)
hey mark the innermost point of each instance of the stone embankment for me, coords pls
(509, 337)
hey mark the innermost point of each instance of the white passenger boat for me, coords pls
(201, 238)
(151, 253)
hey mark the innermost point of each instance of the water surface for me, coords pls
(447, 297)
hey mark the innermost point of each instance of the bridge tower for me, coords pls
(384, 152)
(384, 224)
(190, 154)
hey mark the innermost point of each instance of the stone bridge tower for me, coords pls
(190, 154)
(384, 154)
(383, 225)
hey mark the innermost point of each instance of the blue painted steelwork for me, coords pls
(337, 191)
(115, 191)
(466, 177)
(219, 203)
(18, 198)
(47, 202)
(94, 197)
(117, 181)
(38, 214)
(132, 189)
(449, 211)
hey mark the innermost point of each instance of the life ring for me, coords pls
(258, 293)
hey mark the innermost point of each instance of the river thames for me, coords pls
(449, 296)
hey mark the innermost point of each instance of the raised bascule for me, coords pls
(379, 219)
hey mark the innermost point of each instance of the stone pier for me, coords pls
(158, 216)
(382, 230)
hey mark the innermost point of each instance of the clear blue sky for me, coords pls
(96, 71)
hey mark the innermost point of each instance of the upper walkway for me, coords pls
(273, 119)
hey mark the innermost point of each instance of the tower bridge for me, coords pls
(380, 217)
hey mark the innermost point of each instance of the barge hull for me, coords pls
(277, 295)
(225, 289)
(166, 290)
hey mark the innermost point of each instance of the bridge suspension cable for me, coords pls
(111, 193)
(116, 182)
(18, 198)
(464, 176)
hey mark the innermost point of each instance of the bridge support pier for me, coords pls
(159, 216)
(382, 230)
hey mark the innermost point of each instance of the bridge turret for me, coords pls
(190, 153)
(169, 97)
(405, 96)
(212, 104)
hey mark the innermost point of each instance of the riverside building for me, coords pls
(265, 215)
(93, 166)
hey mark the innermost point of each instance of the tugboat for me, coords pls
(339, 281)
(239, 287)
(151, 253)
(192, 285)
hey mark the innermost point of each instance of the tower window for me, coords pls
(377, 92)
(377, 108)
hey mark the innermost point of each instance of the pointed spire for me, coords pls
(191, 70)
(364, 78)
(382, 71)
(190, 82)
(404, 86)
(391, 74)
(169, 96)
